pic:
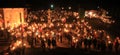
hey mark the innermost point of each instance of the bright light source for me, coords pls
(90, 13)
(69, 7)
(62, 8)
(51, 5)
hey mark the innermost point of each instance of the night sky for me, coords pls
(112, 6)
(109, 5)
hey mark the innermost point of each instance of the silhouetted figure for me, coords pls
(89, 42)
(48, 42)
(54, 43)
(116, 45)
(17, 51)
(85, 43)
(95, 43)
(73, 44)
(42, 43)
(79, 44)
(103, 45)
(98, 44)
(32, 42)
(69, 37)
(1, 33)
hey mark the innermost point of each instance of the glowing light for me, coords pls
(51, 25)
(82, 20)
(103, 17)
(43, 36)
(95, 32)
(78, 34)
(24, 44)
(44, 39)
(18, 43)
(62, 8)
(2, 28)
(13, 48)
(109, 42)
(58, 24)
(12, 33)
(70, 25)
(29, 32)
(52, 32)
(59, 33)
(66, 25)
(73, 38)
(51, 5)
(38, 36)
(46, 34)
(66, 30)
(63, 19)
(76, 40)
(37, 33)
(108, 36)
(44, 25)
(69, 7)
(77, 17)
(90, 13)
(89, 27)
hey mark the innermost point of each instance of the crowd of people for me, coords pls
(46, 28)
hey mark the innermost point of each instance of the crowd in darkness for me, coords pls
(42, 16)
(48, 27)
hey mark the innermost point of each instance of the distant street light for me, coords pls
(69, 8)
(62, 8)
(51, 6)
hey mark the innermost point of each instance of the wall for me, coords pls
(13, 16)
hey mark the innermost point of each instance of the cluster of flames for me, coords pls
(99, 15)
